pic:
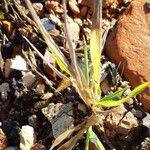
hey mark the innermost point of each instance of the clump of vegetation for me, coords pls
(85, 82)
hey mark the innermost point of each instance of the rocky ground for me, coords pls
(34, 110)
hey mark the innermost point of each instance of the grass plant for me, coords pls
(86, 83)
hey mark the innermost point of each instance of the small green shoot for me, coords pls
(112, 102)
(92, 137)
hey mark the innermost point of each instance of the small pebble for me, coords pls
(38, 8)
(29, 79)
(74, 8)
(47, 24)
(19, 63)
(127, 92)
(145, 145)
(137, 113)
(32, 120)
(55, 20)
(27, 137)
(38, 146)
(11, 129)
(53, 7)
(2, 140)
(4, 89)
(146, 121)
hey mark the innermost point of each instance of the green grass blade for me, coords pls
(95, 53)
(61, 63)
(92, 137)
(115, 94)
(139, 89)
(86, 65)
(112, 103)
(96, 45)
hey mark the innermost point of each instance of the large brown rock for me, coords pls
(129, 44)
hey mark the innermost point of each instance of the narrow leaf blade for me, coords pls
(95, 58)
(115, 94)
(86, 65)
(112, 103)
(96, 45)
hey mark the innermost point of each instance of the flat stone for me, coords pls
(51, 110)
(129, 44)
(121, 121)
(60, 117)
(63, 123)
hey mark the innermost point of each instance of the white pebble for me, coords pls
(27, 137)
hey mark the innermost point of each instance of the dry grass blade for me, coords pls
(78, 80)
(69, 40)
(60, 58)
(75, 67)
(85, 93)
(61, 138)
(70, 144)
(80, 129)
(34, 69)
(65, 83)
(22, 13)
(61, 75)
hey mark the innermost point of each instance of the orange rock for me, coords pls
(130, 45)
